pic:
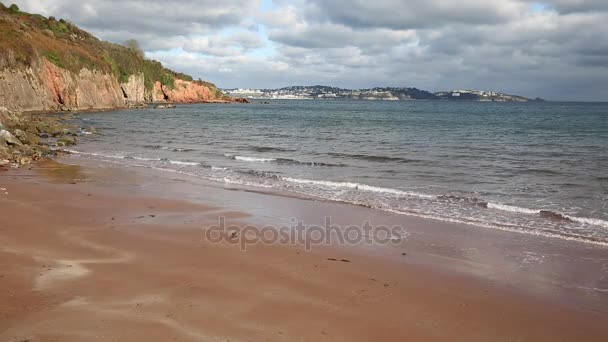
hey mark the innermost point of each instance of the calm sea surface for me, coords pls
(539, 168)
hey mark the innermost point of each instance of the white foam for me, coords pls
(253, 159)
(497, 227)
(96, 154)
(145, 159)
(245, 183)
(182, 163)
(172, 162)
(591, 221)
(512, 209)
(357, 186)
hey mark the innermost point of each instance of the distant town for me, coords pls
(378, 93)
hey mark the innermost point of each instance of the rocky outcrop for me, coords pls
(186, 92)
(7, 138)
(134, 91)
(27, 138)
(47, 87)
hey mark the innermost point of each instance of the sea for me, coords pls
(532, 168)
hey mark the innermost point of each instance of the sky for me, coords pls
(555, 49)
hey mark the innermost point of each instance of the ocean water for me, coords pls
(536, 168)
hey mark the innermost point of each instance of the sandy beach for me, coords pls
(303, 170)
(94, 254)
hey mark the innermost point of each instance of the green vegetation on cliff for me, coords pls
(26, 38)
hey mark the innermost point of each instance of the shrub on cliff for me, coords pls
(133, 45)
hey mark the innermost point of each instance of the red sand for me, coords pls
(82, 262)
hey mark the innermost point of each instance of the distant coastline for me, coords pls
(377, 93)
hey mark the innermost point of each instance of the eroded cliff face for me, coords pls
(86, 90)
(134, 91)
(47, 87)
(185, 92)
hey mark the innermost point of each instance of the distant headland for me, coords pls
(377, 93)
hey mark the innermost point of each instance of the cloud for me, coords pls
(416, 14)
(552, 48)
(572, 6)
(147, 20)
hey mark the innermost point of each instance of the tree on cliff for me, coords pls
(134, 45)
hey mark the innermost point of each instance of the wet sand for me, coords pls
(104, 254)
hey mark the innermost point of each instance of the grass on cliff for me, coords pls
(25, 38)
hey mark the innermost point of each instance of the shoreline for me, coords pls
(136, 257)
(435, 240)
(113, 109)
(548, 214)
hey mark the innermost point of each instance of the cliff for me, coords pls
(186, 92)
(49, 65)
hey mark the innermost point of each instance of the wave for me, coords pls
(252, 159)
(264, 149)
(118, 156)
(260, 174)
(460, 199)
(505, 227)
(183, 150)
(551, 215)
(152, 147)
(283, 161)
(111, 156)
(381, 159)
(180, 162)
(183, 163)
(548, 214)
(336, 185)
(297, 162)
(586, 220)
(241, 182)
(357, 186)
(142, 158)
(512, 208)
(156, 147)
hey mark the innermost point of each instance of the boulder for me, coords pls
(4, 152)
(8, 139)
(164, 106)
(23, 137)
(9, 118)
(66, 141)
(24, 160)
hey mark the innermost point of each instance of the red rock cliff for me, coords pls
(187, 92)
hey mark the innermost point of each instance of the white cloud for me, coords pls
(552, 48)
